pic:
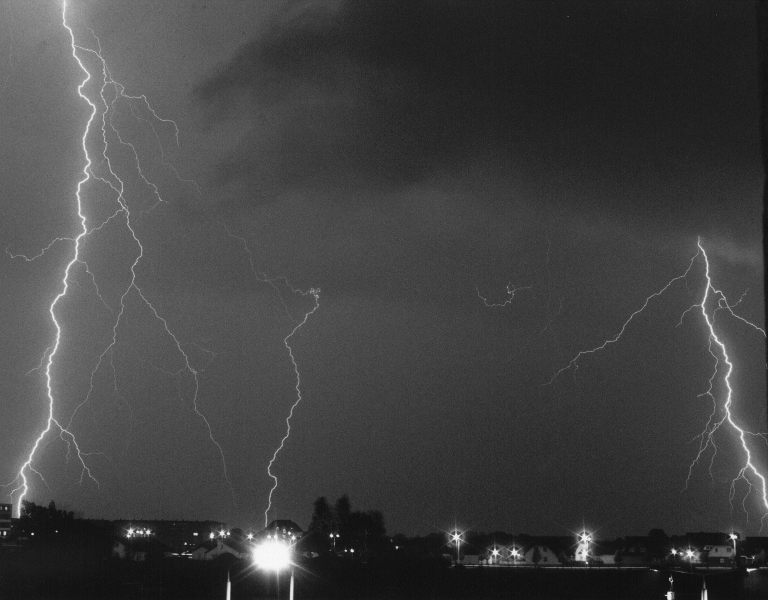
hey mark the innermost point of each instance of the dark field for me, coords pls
(52, 576)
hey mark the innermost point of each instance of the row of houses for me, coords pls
(693, 549)
(208, 540)
(136, 539)
(196, 540)
(539, 555)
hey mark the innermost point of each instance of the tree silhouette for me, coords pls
(42, 523)
(362, 531)
(343, 511)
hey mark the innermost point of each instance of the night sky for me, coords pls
(409, 159)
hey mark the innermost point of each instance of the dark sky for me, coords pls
(404, 157)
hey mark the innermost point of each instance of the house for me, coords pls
(215, 548)
(753, 550)
(538, 554)
(688, 555)
(180, 536)
(634, 551)
(704, 548)
(139, 549)
(283, 529)
(6, 510)
(720, 555)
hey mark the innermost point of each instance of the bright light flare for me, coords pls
(272, 555)
(583, 539)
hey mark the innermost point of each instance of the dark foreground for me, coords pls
(27, 577)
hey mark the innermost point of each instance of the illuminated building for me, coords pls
(5, 520)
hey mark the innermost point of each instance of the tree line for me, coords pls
(339, 529)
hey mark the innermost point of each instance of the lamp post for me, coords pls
(689, 554)
(456, 539)
(733, 537)
(334, 536)
(583, 540)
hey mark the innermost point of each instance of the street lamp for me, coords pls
(734, 536)
(583, 540)
(274, 555)
(334, 536)
(689, 555)
(456, 539)
(495, 555)
(514, 554)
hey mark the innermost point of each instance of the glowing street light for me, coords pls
(138, 532)
(583, 540)
(334, 536)
(456, 539)
(274, 555)
(495, 553)
(733, 537)
(514, 554)
(690, 555)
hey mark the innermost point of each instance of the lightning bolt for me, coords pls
(719, 352)
(511, 291)
(105, 104)
(51, 421)
(314, 293)
(712, 301)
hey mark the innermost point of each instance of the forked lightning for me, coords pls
(712, 301)
(104, 106)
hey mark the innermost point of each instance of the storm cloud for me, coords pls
(370, 94)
